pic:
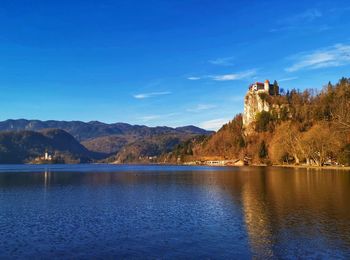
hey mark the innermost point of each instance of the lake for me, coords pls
(104, 211)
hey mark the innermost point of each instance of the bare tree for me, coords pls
(319, 144)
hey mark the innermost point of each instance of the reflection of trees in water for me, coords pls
(257, 216)
(296, 206)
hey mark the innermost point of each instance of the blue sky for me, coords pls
(174, 63)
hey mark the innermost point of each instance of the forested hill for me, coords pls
(26, 146)
(123, 142)
(314, 130)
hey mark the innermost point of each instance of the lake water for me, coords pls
(101, 211)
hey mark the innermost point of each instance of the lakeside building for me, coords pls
(47, 157)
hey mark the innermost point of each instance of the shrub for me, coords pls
(262, 121)
(263, 150)
(344, 155)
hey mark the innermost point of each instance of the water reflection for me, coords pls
(240, 212)
(295, 212)
(47, 177)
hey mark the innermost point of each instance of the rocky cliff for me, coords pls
(254, 102)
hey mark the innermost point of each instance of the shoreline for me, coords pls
(346, 168)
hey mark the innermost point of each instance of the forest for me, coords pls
(309, 127)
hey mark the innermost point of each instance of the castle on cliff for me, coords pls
(255, 100)
(265, 87)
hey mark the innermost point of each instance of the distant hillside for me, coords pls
(24, 146)
(163, 138)
(89, 130)
(149, 149)
(227, 143)
(123, 142)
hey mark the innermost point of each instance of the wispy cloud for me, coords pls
(201, 107)
(334, 56)
(287, 79)
(234, 76)
(151, 94)
(214, 124)
(306, 16)
(148, 118)
(302, 20)
(227, 61)
(226, 77)
(194, 78)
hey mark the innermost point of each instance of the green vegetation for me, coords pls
(262, 121)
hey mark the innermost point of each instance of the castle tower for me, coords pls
(267, 86)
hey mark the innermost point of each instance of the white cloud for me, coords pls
(214, 124)
(151, 94)
(287, 79)
(234, 76)
(303, 20)
(148, 118)
(222, 61)
(306, 16)
(201, 107)
(193, 78)
(334, 56)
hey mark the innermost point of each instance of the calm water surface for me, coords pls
(99, 211)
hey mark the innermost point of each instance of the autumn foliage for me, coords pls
(310, 127)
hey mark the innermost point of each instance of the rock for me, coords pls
(254, 102)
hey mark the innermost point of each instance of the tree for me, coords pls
(262, 121)
(319, 143)
(344, 155)
(286, 143)
(275, 88)
(263, 152)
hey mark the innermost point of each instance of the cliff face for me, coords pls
(254, 102)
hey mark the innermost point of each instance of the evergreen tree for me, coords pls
(263, 150)
(275, 88)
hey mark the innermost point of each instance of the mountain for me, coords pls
(193, 130)
(124, 142)
(150, 149)
(88, 130)
(24, 146)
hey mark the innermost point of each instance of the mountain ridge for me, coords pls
(121, 141)
(93, 129)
